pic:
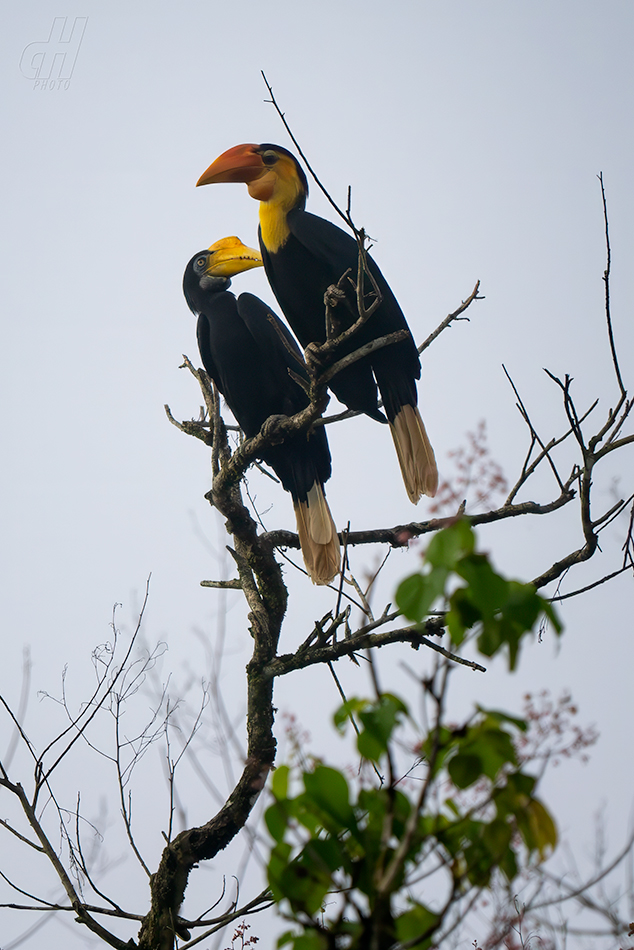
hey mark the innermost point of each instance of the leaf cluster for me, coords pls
(469, 811)
(369, 847)
(458, 576)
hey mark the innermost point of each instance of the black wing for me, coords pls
(204, 348)
(271, 335)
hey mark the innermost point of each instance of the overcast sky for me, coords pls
(471, 134)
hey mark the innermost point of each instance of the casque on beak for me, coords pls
(229, 256)
(240, 163)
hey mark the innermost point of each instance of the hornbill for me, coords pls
(248, 352)
(303, 256)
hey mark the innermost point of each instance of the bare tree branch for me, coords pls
(452, 317)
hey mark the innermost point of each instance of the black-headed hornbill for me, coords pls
(304, 255)
(246, 356)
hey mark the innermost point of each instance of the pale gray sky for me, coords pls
(471, 133)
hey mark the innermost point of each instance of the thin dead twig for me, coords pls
(583, 590)
(93, 705)
(535, 437)
(233, 584)
(310, 168)
(606, 280)
(452, 317)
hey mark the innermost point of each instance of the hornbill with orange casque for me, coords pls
(248, 352)
(303, 256)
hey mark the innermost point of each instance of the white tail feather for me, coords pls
(415, 454)
(320, 523)
(318, 536)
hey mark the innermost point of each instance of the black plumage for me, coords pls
(248, 352)
(321, 253)
(304, 255)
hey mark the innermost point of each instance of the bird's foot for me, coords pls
(271, 429)
(334, 295)
(314, 360)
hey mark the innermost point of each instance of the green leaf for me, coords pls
(279, 782)
(479, 863)
(416, 594)
(438, 746)
(309, 940)
(537, 828)
(513, 797)
(524, 605)
(353, 929)
(500, 716)
(455, 626)
(482, 750)
(276, 819)
(497, 836)
(462, 614)
(287, 937)
(278, 862)
(326, 853)
(379, 722)
(495, 749)
(520, 783)
(328, 790)
(451, 544)
(491, 638)
(410, 593)
(413, 924)
(508, 865)
(307, 813)
(487, 590)
(370, 747)
(345, 712)
(304, 882)
(465, 769)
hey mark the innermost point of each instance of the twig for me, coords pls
(233, 584)
(569, 407)
(610, 515)
(525, 416)
(451, 317)
(577, 891)
(126, 810)
(628, 544)
(7, 758)
(583, 590)
(92, 705)
(197, 429)
(84, 867)
(606, 281)
(227, 919)
(273, 102)
(5, 824)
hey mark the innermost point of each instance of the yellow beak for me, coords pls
(229, 256)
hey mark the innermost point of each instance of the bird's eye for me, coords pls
(269, 157)
(201, 262)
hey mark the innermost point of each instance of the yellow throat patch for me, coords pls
(286, 191)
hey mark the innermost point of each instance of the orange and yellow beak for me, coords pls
(240, 163)
(229, 256)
